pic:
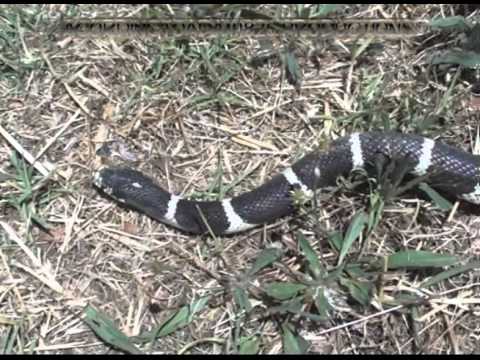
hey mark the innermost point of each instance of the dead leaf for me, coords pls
(108, 112)
(55, 234)
(130, 228)
(101, 135)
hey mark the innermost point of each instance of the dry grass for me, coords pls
(198, 130)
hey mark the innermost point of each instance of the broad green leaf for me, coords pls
(449, 273)
(354, 230)
(197, 306)
(241, 299)
(418, 258)
(452, 22)
(311, 316)
(182, 317)
(293, 306)
(178, 320)
(439, 200)
(106, 330)
(325, 9)
(473, 39)
(468, 59)
(312, 258)
(375, 214)
(292, 343)
(335, 240)
(360, 291)
(321, 302)
(292, 70)
(265, 258)
(249, 345)
(282, 290)
(356, 270)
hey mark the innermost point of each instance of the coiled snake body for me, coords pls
(449, 170)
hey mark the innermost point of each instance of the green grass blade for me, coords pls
(335, 239)
(468, 59)
(312, 258)
(293, 306)
(358, 50)
(439, 200)
(419, 259)
(292, 343)
(449, 273)
(197, 306)
(182, 317)
(354, 230)
(325, 9)
(360, 291)
(8, 342)
(321, 302)
(106, 330)
(176, 321)
(265, 258)
(292, 70)
(249, 345)
(283, 290)
(241, 299)
(449, 22)
(376, 211)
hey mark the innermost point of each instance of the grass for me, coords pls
(380, 270)
(26, 201)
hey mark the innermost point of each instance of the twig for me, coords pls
(354, 322)
(199, 341)
(14, 286)
(43, 169)
(76, 100)
(65, 85)
(42, 271)
(451, 334)
(185, 255)
(57, 135)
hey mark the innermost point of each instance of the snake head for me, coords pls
(122, 184)
(133, 189)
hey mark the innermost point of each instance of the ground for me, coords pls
(209, 118)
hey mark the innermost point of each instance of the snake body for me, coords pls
(450, 170)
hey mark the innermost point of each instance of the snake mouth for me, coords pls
(100, 182)
(97, 178)
(123, 184)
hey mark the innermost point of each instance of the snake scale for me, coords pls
(450, 170)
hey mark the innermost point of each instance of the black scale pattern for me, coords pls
(269, 201)
(150, 198)
(452, 170)
(391, 145)
(189, 218)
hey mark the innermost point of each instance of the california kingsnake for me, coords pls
(450, 170)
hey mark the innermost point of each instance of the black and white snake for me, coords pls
(449, 170)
